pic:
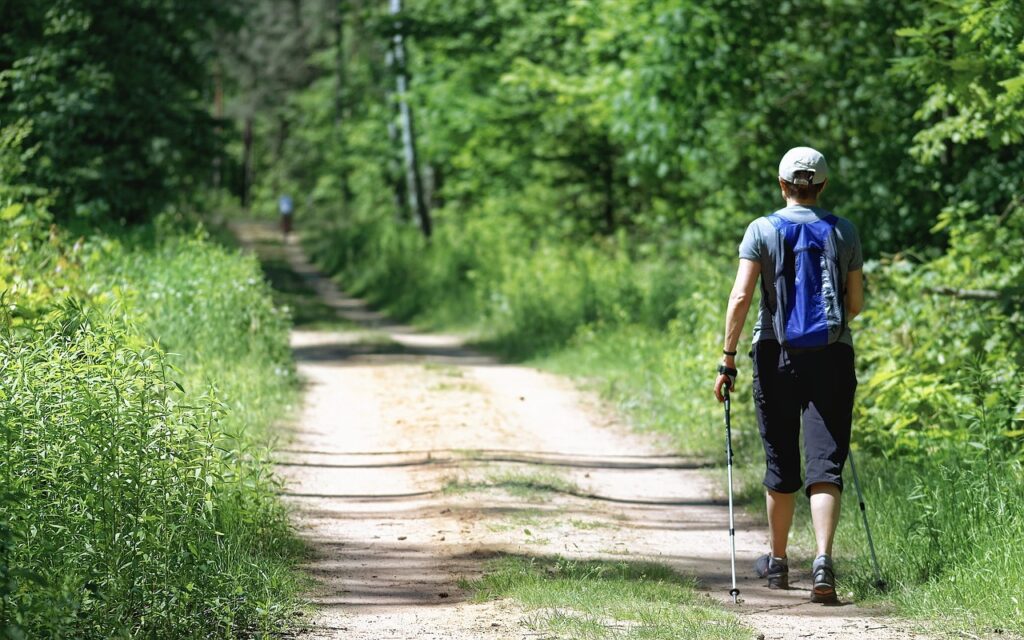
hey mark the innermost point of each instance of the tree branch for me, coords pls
(967, 294)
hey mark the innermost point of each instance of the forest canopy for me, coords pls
(664, 117)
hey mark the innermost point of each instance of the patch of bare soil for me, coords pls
(415, 460)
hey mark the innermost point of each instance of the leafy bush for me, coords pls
(943, 344)
(135, 383)
(531, 292)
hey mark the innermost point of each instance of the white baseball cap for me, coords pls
(803, 159)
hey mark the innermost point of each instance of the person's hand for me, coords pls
(726, 378)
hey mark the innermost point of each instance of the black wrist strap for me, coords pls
(728, 353)
(727, 371)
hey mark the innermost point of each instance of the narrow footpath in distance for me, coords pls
(404, 472)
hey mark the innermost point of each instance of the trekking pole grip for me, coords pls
(730, 379)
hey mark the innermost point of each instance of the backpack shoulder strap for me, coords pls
(835, 273)
(832, 244)
(778, 250)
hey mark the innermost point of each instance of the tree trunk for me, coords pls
(341, 103)
(395, 167)
(608, 179)
(413, 177)
(282, 137)
(218, 113)
(436, 186)
(246, 162)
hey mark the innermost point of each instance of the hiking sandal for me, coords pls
(775, 569)
(824, 580)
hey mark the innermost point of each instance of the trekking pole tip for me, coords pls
(735, 593)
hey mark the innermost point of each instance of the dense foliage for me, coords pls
(591, 166)
(589, 117)
(112, 99)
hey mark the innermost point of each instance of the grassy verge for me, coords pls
(595, 599)
(949, 541)
(137, 387)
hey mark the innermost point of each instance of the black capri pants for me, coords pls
(817, 385)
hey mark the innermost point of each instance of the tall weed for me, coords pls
(138, 499)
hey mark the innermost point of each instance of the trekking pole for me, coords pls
(880, 584)
(734, 592)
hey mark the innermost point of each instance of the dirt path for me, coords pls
(403, 468)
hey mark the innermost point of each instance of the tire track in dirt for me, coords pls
(395, 471)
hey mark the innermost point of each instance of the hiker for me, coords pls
(286, 207)
(803, 361)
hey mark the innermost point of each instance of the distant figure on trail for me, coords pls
(287, 208)
(809, 263)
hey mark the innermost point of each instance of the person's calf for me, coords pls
(826, 500)
(780, 518)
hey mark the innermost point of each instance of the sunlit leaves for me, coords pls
(969, 56)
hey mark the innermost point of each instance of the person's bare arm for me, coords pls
(854, 294)
(736, 315)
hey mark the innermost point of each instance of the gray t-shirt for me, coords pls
(755, 247)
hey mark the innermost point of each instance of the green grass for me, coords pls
(524, 518)
(449, 386)
(533, 486)
(594, 600)
(949, 537)
(379, 342)
(444, 369)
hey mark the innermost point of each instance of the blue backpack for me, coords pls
(810, 311)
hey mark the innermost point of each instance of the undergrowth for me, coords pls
(138, 374)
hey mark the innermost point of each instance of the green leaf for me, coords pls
(11, 212)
